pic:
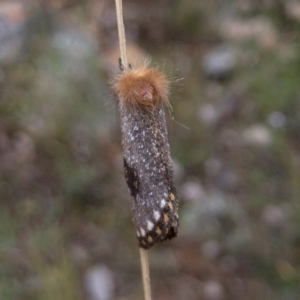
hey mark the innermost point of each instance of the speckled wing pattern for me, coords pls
(149, 174)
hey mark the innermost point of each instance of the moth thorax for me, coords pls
(142, 88)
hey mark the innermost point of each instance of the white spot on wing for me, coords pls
(162, 203)
(150, 225)
(156, 215)
(143, 233)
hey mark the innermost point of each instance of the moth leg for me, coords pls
(121, 67)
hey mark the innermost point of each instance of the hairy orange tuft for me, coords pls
(142, 87)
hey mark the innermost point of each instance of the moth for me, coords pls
(142, 93)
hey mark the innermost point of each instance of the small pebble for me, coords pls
(213, 290)
(219, 63)
(99, 283)
(277, 119)
(257, 134)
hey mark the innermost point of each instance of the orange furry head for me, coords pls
(142, 87)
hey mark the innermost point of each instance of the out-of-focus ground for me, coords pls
(66, 230)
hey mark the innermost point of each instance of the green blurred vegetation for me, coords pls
(64, 203)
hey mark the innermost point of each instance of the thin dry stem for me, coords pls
(121, 31)
(145, 273)
(122, 42)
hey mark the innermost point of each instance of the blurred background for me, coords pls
(66, 229)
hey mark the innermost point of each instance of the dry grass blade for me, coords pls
(122, 42)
